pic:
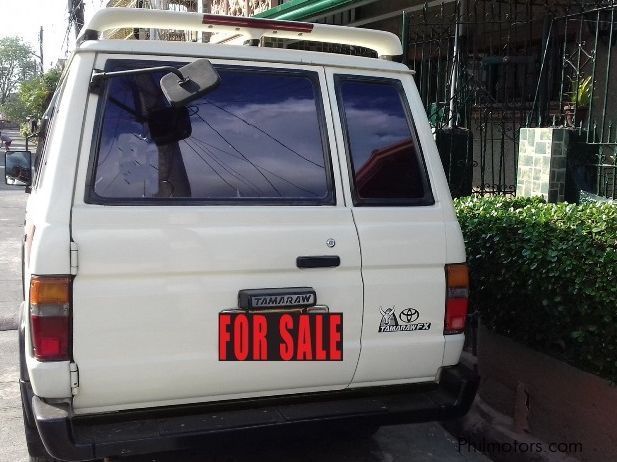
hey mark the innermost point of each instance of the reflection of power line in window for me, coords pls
(232, 172)
(258, 165)
(276, 88)
(211, 167)
(239, 152)
(275, 139)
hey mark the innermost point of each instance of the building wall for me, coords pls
(241, 7)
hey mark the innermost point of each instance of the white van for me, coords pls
(225, 237)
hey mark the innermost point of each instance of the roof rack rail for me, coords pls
(250, 30)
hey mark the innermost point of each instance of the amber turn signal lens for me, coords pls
(457, 301)
(50, 290)
(457, 276)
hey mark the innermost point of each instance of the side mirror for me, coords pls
(190, 82)
(18, 168)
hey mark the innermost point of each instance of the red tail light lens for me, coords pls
(50, 311)
(457, 298)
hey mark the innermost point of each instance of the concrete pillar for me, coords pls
(542, 156)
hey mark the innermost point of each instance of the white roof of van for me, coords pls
(232, 31)
(238, 52)
(240, 29)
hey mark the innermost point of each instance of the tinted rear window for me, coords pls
(258, 137)
(383, 149)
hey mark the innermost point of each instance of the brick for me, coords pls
(540, 148)
(525, 173)
(523, 135)
(525, 160)
(559, 162)
(558, 134)
(537, 174)
(552, 195)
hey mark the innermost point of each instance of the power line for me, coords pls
(211, 167)
(235, 149)
(232, 171)
(265, 133)
(258, 165)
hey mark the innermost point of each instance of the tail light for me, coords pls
(50, 316)
(457, 298)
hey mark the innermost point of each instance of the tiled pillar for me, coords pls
(542, 154)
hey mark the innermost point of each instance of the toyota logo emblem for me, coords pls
(409, 315)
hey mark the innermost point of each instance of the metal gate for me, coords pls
(477, 64)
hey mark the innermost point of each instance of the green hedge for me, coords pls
(546, 275)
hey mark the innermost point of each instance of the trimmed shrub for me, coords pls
(546, 275)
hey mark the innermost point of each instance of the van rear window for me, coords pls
(383, 149)
(257, 137)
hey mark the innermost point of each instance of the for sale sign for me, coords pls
(282, 336)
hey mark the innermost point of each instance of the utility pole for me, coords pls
(76, 14)
(41, 49)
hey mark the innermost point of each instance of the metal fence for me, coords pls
(486, 68)
(578, 58)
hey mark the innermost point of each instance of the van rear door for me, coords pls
(400, 223)
(169, 232)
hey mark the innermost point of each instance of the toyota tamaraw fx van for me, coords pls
(224, 236)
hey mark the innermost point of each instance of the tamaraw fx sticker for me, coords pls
(404, 321)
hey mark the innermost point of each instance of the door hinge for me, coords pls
(74, 260)
(74, 378)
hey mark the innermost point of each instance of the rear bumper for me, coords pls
(165, 429)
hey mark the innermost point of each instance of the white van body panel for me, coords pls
(48, 213)
(403, 257)
(151, 280)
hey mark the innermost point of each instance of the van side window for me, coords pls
(383, 150)
(39, 155)
(259, 137)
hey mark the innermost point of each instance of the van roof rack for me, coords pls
(238, 28)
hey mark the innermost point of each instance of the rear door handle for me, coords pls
(325, 261)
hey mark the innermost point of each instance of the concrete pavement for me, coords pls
(12, 204)
(12, 440)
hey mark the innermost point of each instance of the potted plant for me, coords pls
(578, 106)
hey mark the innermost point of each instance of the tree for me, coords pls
(16, 65)
(33, 96)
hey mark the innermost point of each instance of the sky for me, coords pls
(25, 17)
